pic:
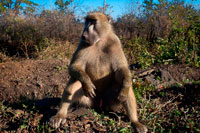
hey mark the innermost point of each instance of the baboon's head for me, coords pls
(97, 26)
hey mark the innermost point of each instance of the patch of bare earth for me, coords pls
(32, 79)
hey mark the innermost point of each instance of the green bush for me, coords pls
(164, 32)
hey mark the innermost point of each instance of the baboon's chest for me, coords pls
(98, 68)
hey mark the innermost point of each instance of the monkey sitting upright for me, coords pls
(99, 66)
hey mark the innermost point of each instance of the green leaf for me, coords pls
(23, 126)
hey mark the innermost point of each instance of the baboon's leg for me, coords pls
(73, 93)
(131, 108)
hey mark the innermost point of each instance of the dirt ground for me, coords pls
(32, 79)
(30, 92)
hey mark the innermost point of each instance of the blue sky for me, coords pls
(119, 6)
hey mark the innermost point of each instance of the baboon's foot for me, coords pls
(56, 121)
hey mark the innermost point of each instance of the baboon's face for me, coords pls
(96, 26)
(90, 35)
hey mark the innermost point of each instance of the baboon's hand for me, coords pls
(56, 120)
(89, 90)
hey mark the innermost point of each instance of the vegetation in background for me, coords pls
(25, 6)
(26, 35)
(63, 5)
(164, 32)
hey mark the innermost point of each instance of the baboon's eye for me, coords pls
(91, 21)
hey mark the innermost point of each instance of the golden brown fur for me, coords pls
(99, 70)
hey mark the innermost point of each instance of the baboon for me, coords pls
(98, 69)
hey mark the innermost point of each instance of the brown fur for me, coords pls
(99, 70)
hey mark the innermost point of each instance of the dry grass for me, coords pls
(57, 49)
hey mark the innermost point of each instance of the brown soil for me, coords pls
(32, 79)
(32, 88)
(168, 75)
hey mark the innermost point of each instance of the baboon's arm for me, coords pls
(78, 73)
(122, 72)
(123, 76)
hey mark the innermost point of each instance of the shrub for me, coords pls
(25, 36)
(165, 32)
